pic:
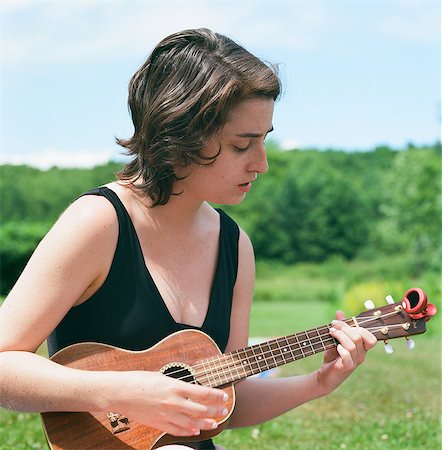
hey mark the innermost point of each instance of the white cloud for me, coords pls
(290, 144)
(53, 32)
(51, 157)
(79, 31)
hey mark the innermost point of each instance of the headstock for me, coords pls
(402, 319)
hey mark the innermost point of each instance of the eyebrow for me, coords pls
(253, 135)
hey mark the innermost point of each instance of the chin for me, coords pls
(232, 201)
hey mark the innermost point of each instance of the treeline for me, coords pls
(312, 205)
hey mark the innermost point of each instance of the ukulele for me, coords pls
(192, 356)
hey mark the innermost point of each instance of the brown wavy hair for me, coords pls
(180, 97)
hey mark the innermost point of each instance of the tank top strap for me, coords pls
(122, 214)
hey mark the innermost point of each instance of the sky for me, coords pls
(356, 74)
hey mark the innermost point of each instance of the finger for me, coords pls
(340, 315)
(191, 425)
(202, 401)
(347, 341)
(360, 335)
(204, 395)
(369, 339)
(346, 359)
(201, 410)
(362, 340)
(330, 355)
(178, 430)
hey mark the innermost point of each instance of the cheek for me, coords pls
(221, 170)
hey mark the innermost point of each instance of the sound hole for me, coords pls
(180, 371)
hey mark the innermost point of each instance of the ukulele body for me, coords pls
(176, 353)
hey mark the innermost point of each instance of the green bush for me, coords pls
(17, 243)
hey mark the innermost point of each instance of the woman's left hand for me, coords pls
(340, 362)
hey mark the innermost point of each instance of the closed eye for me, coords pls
(241, 149)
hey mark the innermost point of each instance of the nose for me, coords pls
(261, 164)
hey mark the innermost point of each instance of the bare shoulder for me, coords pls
(91, 210)
(88, 225)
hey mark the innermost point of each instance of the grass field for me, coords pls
(391, 402)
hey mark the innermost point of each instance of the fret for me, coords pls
(291, 355)
(257, 360)
(299, 344)
(271, 356)
(321, 342)
(243, 363)
(313, 338)
(306, 343)
(277, 355)
(213, 370)
(252, 365)
(230, 363)
(264, 350)
(283, 350)
(210, 374)
(235, 358)
(295, 351)
(207, 373)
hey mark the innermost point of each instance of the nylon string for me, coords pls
(224, 364)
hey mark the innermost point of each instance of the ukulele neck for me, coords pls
(240, 364)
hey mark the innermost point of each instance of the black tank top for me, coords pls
(128, 311)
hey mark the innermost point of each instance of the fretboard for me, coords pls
(240, 364)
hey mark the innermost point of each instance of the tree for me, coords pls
(412, 207)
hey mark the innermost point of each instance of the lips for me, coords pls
(247, 183)
(245, 187)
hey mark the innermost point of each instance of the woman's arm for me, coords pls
(258, 399)
(69, 265)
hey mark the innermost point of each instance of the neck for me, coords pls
(240, 364)
(179, 215)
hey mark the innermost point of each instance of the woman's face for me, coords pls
(242, 155)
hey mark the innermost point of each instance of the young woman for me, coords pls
(142, 257)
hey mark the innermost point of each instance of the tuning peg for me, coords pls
(410, 343)
(388, 348)
(369, 304)
(389, 299)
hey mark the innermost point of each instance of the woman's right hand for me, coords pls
(165, 403)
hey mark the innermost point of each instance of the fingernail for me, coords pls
(226, 397)
(334, 322)
(225, 412)
(196, 433)
(332, 330)
(214, 425)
